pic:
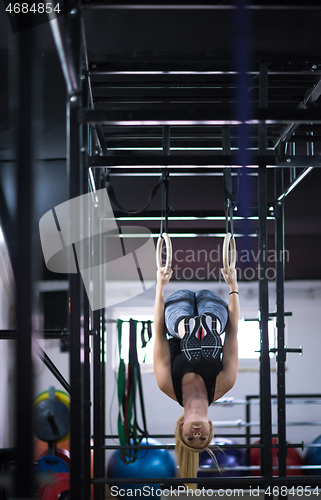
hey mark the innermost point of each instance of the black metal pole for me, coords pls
(281, 354)
(248, 429)
(103, 385)
(166, 140)
(265, 380)
(23, 264)
(87, 318)
(76, 188)
(99, 376)
(97, 406)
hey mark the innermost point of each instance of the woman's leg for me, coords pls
(213, 312)
(211, 304)
(178, 306)
(181, 322)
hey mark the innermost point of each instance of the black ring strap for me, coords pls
(113, 197)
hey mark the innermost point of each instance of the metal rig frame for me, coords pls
(92, 127)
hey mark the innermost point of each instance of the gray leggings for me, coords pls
(185, 303)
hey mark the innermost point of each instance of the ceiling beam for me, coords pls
(185, 161)
(182, 114)
(203, 5)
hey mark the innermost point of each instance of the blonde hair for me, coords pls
(188, 457)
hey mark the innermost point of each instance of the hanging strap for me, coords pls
(126, 432)
(113, 198)
(136, 375)
(143, 431)
(230, 203)
(166, 209)
(121, 386)
(146, 327)
(127, 416)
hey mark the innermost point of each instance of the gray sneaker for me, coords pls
(190, 344)
(211, 344)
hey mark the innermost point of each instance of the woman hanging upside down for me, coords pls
(190, 363)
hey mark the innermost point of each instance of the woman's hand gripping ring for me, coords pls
(229, 241)
(159, 248)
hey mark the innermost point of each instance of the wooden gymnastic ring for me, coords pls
(159, 248)
(229, 240)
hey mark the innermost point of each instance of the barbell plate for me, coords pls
(60, 395)
(54, 491)
(60, 452)
(41, 489)
(53, 464)
(51, 420)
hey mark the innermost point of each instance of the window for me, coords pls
(249, 338)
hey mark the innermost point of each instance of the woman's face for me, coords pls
(196, 433)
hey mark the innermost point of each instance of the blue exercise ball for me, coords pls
(152, 463)
(226, 457)
(313, 457)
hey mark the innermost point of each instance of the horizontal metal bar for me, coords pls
(128, 114)
(113, 87)
(258, 467)
(190, 215)
(282, 115)
(295, 182)
(286, 349)
(187, 233)
(171, 446)
(188, 164)
(154, 114)
(171, 436)
(290, 396)
(220, 482)
(298, 400)
(300, 161)
(274, 314)
(174, 171)
(197, 69)
(204, 4)
(186, 161)
(46, 334)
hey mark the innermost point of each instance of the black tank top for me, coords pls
(180, 366)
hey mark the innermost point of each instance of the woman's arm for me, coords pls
(162, 357)
(227, 377)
